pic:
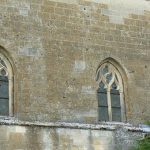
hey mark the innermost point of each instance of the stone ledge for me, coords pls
(110, 126)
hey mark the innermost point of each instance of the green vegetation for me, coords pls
(144, 144)
(148, 123)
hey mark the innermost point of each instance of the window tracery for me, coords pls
(110, 93)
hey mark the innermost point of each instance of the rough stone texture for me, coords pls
(57, 46)
(46, 138)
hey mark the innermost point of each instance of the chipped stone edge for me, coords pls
(99, 126)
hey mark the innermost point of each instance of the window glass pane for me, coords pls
(4, 87)
(115, 104)
(116, 114)
(102, 102)
(102, 99)
(103, 114)
(109, 77)
(115, 100)
(101, 87)
(105, 70)
(3, 78)
(4, 96)
(114, 86)
(4, 107)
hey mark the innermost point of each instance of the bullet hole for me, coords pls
(87, 49)
(145, 66)
(66, 82)
(64, 96)
(132, 71)
(84, 8)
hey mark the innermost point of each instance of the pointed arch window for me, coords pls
(110, 94)
(6, 86)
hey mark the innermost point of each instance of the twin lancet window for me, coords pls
(110, 94)
(5, 87)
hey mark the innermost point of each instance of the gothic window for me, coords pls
(110, 94)
(5, 87)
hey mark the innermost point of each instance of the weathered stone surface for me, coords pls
(56, 47)
(47, 138)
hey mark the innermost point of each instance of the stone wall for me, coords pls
(63, 136)
(56, 47)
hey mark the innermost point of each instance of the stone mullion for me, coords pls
(109, 104)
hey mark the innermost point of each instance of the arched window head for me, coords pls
(110, 93)
(6, 84)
